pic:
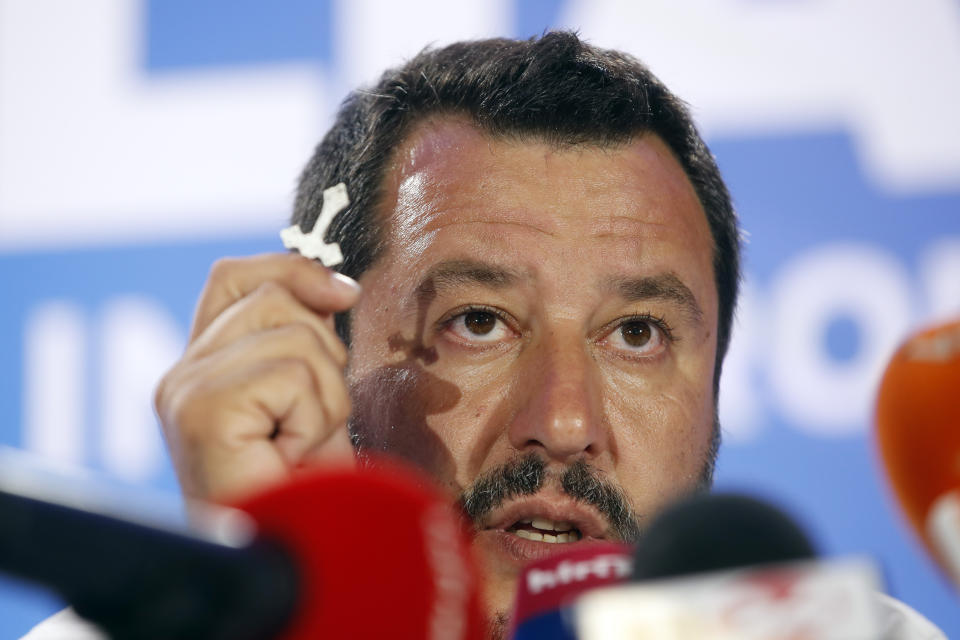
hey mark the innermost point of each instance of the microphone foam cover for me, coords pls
(714, 532)
(918, 420)
(381, 555)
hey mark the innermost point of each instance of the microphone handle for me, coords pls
(138, 581)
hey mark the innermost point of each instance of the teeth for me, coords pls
(546, 525)
(573, 536)
(545, 530)
(550, 525)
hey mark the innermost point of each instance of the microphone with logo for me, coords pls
(724, 566)
(373, 553)
(918, 435)
(548, 588)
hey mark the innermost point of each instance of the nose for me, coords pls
(559, 406)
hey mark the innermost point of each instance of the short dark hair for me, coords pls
(555, 88)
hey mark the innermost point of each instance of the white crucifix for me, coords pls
(311, 245)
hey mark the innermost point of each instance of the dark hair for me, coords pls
(555, 88)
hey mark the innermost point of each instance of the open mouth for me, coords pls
(543, 530)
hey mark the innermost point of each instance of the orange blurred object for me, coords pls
(918, 432)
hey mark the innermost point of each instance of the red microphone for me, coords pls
(918, 434)
(381, 555)
(548, 588)
(371, 553)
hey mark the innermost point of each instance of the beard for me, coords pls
(527, 474)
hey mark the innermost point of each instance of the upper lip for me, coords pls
(558, 508)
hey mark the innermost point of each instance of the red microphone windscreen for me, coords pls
(547, 587)
(380, 556)
(918, 425)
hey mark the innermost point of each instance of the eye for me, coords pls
(478, 325)
(644, 336)
(637, 333)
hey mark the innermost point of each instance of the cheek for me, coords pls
(662, 434)
(392, 406)
(476, 428)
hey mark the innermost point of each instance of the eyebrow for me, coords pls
(666, 287)
(453, 273)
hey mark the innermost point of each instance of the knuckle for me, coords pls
(296, 371)
(160, 392)
(307, 339)
(340, 411)
(267, 289)
(271, 293)
(304, 336)
(221, 269)
(182, 411)
(168, 396)
(337, 401)
(339, 352)
(294, 258)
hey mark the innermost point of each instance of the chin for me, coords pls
(498, 592)
(497, 625)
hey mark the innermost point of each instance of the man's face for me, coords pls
(548, 308)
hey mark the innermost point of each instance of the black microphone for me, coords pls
(372, 553)
(713, 532)
(138, 581)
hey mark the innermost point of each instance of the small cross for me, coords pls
(311, 245)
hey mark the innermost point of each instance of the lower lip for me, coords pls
(522, 551)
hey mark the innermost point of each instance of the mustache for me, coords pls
(527, 475)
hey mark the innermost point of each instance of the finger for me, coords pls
(270, 306)
(302, 445)
(231, 476)
(225, 402)
(299, 422)
(219, 424)
(255, 353)
(336, 450)
(249, 427)
(231, 279)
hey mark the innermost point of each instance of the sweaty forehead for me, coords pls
(433, 141)
(448, 166)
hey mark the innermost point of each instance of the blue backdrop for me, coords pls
(141, 141)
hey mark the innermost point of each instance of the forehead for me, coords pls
(452, 186)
